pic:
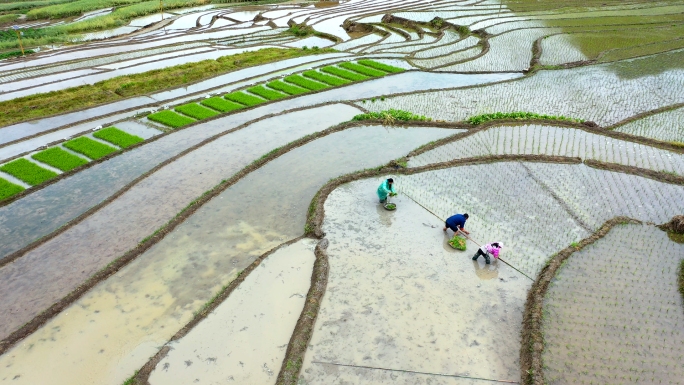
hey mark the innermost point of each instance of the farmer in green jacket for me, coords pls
(386, 188)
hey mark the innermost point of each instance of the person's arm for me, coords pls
(462, 227)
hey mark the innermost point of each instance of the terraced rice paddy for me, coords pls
(186, 206)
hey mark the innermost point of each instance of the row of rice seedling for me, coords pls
(612, 312)
(296, 84)
(33, 174)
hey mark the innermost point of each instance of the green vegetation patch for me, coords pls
(220, 104)
(362, 69)
(28, 171)
(58, 158)
(7, 55)
(479, 119)
(7, 189)
(170, 118)
(321, 77)
(120, 87)
(243, 98)
(392, 115)
(381, 66)
(89, 147)
(115, 136)
(196, 111)
(287, 88)
(306, 83)
(680, 280)
(458, 243)
(266, 93)
(353, 76)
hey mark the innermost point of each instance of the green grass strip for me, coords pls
(243, 98)
(28, 171)
(58, 158)
(266, 93)
(220, 104)
(381, 66)
(479, 119)
(170, 118)
(287, 88)
(362, 69)
(89, 147)
(392, 114)
(196, 111)
(306, 83)
(337, 71)
(8, 189)
(115, 136)
(327, 79)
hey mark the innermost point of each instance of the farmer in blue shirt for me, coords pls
(385, 189)
(456, 222)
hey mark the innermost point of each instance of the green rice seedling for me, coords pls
(7, 189)
(243, 98)
(306, 83)
(362, 69)
(117, 137)
(89, 147)
(58, 158)
(6, 55)
(393, 114)
(196, 111)
(266, 93)
(287, 88)
(327, 79)
(220, 104)
(170, 118)
(458, 243)
(381, 66)
(337, 71)
(27, 171)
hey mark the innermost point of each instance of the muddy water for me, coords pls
(400, 298)
(141, 306)
(245, 338)
(46, 274)
(613, 313)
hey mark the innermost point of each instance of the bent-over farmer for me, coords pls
(493, 248)
(386, 188)
(456, 222)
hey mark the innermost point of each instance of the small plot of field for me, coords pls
(220, 104)
(245, 99)
(58, 158)
(28, 171)
(306, 83)
(170, 118)
(353, 76)
(287, 88)
(89, 147)
(196, 111)
(117, 137)
(8, 189)
(613, 314)
(266, 93)
(327, 79)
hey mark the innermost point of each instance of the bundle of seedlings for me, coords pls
(458, 243)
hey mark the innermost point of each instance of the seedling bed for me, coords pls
(170, 118)
(28, 171)
(243, 98)
(118, 137)
(306, 83)
(89, 147)
(220, 104)
(196, 111)
(58, 158)
(8, 189)
(266, 93)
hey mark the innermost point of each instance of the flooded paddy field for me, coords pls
(226, 228)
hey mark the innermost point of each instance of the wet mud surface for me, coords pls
(400, 298)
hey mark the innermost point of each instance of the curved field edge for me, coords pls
(303, 331)
(74, 99)
(532, 345)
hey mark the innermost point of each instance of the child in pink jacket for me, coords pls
(491, 248)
